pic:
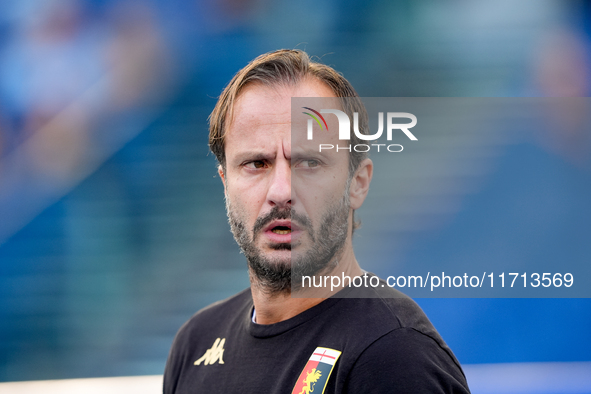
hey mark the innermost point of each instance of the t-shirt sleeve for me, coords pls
(174, 362)
(170, 373)
(406, 361)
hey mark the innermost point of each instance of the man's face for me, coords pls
(287, 208)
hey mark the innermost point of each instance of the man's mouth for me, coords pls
(283, 230)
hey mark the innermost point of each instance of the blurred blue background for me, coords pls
(112, 223)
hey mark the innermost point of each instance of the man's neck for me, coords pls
(274, 308)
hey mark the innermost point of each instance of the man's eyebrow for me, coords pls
(297, 154)
(252, 156)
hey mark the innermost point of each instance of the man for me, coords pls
(291, 209)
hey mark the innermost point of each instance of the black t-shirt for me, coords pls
(384, 344)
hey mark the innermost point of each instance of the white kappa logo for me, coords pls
(215, 353)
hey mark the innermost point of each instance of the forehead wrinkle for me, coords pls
(255, 122)
(286, 148)
(258, 122)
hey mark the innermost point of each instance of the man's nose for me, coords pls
(280, 187)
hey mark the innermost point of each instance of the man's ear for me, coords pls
(360, 183)
(223, 177)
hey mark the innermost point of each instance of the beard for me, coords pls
(276, 275)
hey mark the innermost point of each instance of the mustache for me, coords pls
(281, 214)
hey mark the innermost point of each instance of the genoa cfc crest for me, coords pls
(315, 374)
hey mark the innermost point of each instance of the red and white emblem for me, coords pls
(316, 373)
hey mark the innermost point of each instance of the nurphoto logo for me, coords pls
(345, 129)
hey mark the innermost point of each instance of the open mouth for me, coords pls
(282, 230)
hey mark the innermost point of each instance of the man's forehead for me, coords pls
(259, 103)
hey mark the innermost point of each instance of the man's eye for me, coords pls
(310, 163)
(255, 164)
